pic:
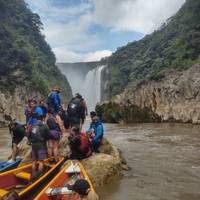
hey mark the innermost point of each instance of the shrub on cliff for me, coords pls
(175, 45)
(26, 58)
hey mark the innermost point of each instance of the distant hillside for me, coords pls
(176, 45)
(26, 58)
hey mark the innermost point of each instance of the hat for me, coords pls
(56, 88)
(81, 187)
(93, 114)
(78, 95)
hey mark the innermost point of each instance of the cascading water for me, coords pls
(92, 87)
(88, 84)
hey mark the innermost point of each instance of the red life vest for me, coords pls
(85, 145)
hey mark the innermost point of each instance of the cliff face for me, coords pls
(176, 45)
(175, 97)
(12, 105)
(26, 59)
(157, 76)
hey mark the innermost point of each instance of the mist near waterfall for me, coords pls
(84, 79)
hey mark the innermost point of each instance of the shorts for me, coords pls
(17, 140)
(39, 154)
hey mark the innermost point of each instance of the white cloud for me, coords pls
(65, 55)
(67, 28)
(97, 55)
(142, 16)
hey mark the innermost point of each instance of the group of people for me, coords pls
(47, 122)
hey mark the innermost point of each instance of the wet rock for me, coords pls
(173, 98)
(101, 167)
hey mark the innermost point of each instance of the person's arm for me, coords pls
(98, 134)
(86, 109)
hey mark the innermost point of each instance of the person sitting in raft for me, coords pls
(53, 121)
(79, 144)
(95, 132)
(82, 187)
(18, 132)
(38, 138)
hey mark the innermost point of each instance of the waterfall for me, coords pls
(92, 87)
(87, 83)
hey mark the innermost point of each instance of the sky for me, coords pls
(88, 30)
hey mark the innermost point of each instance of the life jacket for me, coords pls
(75, 107)
(85, 145)
(36, 134)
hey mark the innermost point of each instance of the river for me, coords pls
(164, 161)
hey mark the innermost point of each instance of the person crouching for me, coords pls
(95, 132)
(38, 138)
(79, 144)
(18, 132)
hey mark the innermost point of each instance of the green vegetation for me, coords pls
(175, 45)
(114, 113)
(26, 58)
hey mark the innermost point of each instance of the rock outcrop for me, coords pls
(175, 97)
(12, 105)
(101, 167)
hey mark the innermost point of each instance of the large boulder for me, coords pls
(101, 167)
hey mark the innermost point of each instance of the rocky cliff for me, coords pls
(156, 78)
(27, 63)
(175, 97)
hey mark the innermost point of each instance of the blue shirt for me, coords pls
(33, 120)
(98, 130)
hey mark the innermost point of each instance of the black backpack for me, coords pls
(36, 135)
(75, 107)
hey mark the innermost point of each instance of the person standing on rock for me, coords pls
(53, 101)
(95, 132)
(55, 125)
(36, 111)
(77, 111)
(18, 132)
(38, 138)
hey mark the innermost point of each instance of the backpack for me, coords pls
(75, 107)
(36, 135)
(54, 128)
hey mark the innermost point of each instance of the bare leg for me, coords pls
(50, 149)
(55, 150)
(40, 166)
(34, 166)
(14, 151)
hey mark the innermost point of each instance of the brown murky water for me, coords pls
(165, 161)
